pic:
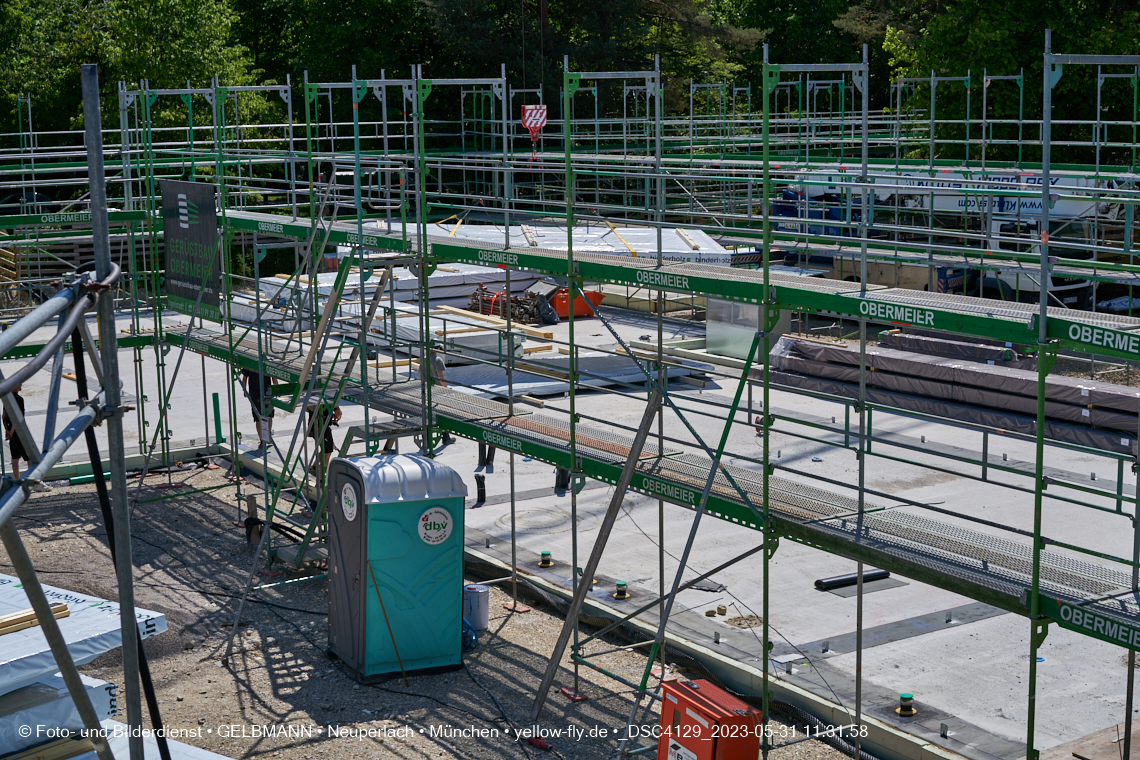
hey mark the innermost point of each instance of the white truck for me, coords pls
(957, 208)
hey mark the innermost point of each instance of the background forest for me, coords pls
(174, 42)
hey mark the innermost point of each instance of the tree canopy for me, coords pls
(170, 43)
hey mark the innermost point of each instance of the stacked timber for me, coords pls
(999, 355)
(1077, 410)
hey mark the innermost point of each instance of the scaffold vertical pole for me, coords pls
(109, 348)
(770, 78)
(569, 87)
(862, 82)
(1037, 629)
(422, 91)
(1130, 694)
(514, 605)
(662, 372)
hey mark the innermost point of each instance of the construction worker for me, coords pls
(318, 414)
(438, 367)
(259, 388)
(15, 445)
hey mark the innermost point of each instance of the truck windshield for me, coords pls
(1060, 232)
(1073, 231)
(1026, 230)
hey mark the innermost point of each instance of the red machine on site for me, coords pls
(700, 721)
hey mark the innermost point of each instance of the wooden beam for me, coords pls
(18, 621)
(535, 369)
(390, 363)
(500, 324)
(690, 381)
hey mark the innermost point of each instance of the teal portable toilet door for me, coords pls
(415, 553)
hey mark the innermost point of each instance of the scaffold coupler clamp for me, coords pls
(93, 285)
(107, 411)
(25, 483)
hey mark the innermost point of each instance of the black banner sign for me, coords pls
(193, 261)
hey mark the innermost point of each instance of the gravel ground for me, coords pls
(190, 563)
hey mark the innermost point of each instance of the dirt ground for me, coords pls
(282, 695)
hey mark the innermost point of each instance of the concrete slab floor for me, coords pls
(976, 671)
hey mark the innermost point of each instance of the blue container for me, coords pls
(395, 565)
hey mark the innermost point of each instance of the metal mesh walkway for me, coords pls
(950, 550)
(1010, 310)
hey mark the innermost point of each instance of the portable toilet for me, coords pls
(395, 565)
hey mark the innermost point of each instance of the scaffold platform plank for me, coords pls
(1011, 322)
(285, 364)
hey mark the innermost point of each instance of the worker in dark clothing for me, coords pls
(260, 390)
(438, 367)
(15, 445)
(318, 414)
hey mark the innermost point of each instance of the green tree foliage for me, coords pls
(172, 42)
(953, 38)
(374, 35)
(43, 45)
(800, 31)
(166, 42)
(692, 37)
(269, 30)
